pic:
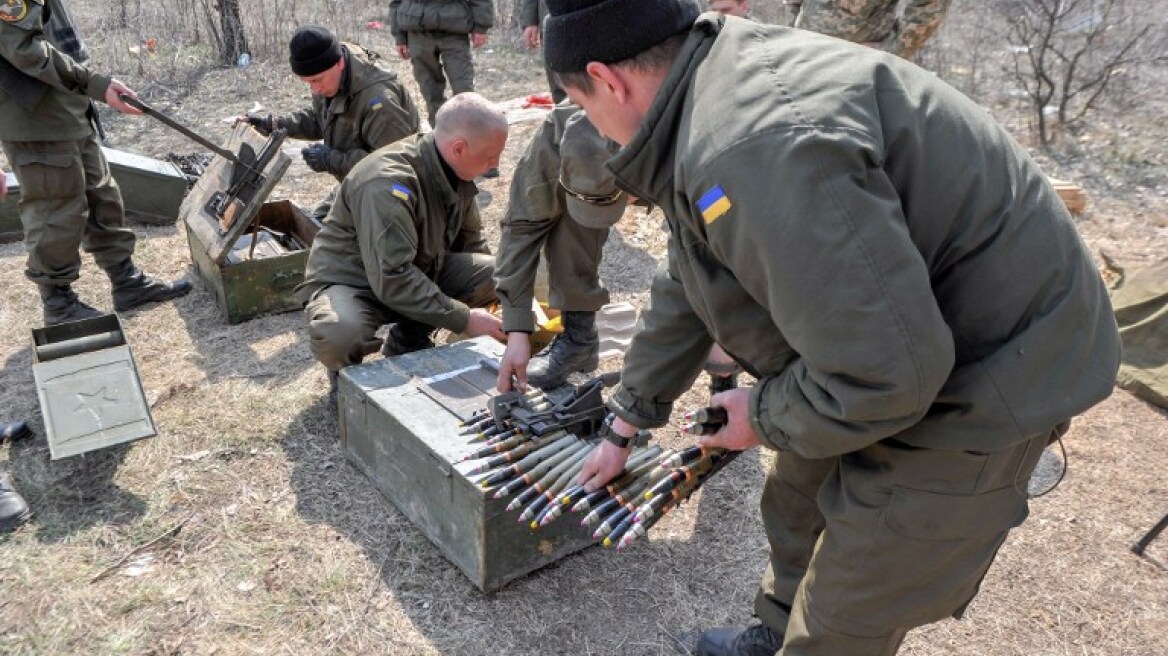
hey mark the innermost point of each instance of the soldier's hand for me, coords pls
(403, 52)
(262, 124)
(113, 97)
(531, 36)
(738, 434)
(478, 39)
(514, 362)
(316, 157)
(606, 460)
(482, 323)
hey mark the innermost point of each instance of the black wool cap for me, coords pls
(313, 50)
(576, 32)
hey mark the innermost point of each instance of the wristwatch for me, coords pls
(608, 434)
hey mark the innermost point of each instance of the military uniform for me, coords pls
(872, 21)
(372, 109)
(908, 290)
(437, 33)
(532, 12)
(402, 243)
(68, 197)
(537, 219)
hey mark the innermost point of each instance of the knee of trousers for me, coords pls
(336, 342)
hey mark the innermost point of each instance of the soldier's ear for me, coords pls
(608, 79)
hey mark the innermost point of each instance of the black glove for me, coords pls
(316, 157)
(263, 124)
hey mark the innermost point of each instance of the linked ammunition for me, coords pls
(708, 415)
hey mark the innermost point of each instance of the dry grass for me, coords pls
(284, 549)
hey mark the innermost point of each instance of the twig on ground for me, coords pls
(170, 532)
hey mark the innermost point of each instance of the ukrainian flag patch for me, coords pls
(376, 104)
(402, 192)
(713, 204)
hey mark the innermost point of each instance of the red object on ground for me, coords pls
(375, 25)
(543, 99)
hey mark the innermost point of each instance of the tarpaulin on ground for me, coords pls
(1141, 309)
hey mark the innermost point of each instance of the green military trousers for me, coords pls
(573, 254)
(342, 320)
(869, 545)
(436, 57)
(68, 200)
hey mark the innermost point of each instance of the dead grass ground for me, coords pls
(285, 549)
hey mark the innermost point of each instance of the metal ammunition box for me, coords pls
(405, 437)
(152, 192)
(248, 282)
(88, 386)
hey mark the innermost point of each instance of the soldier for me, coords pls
(433, 35)
(531, 16)
(563, 202)
(898, 275)
(403, 243)
(68, 198)
(357, 106)
(874, 23)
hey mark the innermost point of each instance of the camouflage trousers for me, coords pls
(343, 320)
(436, 57)
(869, 545)
(68, 201)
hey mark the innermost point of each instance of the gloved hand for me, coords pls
(316, 157)
(263, 124)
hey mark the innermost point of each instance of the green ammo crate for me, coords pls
(401, 432)
(248, 282)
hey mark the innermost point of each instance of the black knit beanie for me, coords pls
(576, 32)
(313, 50)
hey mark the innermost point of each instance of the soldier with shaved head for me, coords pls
(403, 244)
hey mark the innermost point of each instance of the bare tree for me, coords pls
(1066, 52)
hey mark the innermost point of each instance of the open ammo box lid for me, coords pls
(88, 386)
(218, 235)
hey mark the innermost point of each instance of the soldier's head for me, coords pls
(612, 56)
(739, 8)
(316, 57)
(470, 132)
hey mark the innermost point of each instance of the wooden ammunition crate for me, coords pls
(152, 192)
(396, 432)
(246, 283)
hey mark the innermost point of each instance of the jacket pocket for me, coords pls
(922, 515)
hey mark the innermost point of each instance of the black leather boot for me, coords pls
(14, 430)
(61, 304)
(757, 640)
(132, 288)
(406, 337)
(577, 349)
(13, 509)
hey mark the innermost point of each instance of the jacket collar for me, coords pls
(432, 161)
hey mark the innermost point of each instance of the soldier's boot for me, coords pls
(577, 349)
(13, 509)
(61, 304)
(132, 288)
(757, 640)
(406, 337)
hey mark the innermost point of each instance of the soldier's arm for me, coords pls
(384, 212)
(301, 124)
(529, 13)
(482, 15)
(400, 37)
(380, 126)
(23, 45)
(918, 23)
(827, 252)
(666, 355)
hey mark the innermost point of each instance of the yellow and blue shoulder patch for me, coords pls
(12, 11)
(402, 192)
(376, 104)
(714, 203)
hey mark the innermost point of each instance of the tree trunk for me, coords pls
(234, 41)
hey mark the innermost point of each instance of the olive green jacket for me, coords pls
(864, 240)
(532, 12)
(867, 21)
(455, 16)
(44, 93)
(395, 218)
(372, 109)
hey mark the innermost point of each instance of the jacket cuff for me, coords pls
(518, 319)
(641, 413)
(760, 418)
(458, 317)
(97, 86)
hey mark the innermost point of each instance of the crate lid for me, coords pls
(141, 163)
(213, 235)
